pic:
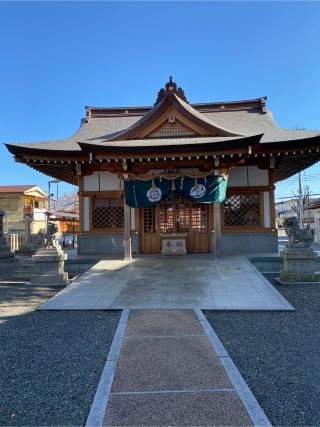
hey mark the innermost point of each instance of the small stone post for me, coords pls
(5, 253)
(28, 248)
(27, 230)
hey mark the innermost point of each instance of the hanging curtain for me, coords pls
(209, 189)
(141, 194)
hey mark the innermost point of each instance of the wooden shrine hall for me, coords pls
(176, 177)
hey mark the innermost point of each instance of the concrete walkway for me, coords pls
(193, 281)
(168, 373)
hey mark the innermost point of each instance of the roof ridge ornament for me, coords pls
(171, 87)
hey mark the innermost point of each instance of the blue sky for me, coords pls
(57, 57)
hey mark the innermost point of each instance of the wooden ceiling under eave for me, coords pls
(289, 165)
(66, 173)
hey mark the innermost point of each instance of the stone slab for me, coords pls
(161, 323)
(157, 282)
(177, 409)
(168, 364)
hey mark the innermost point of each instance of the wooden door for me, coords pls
(176, 215)
(199, 230)
(150, 237)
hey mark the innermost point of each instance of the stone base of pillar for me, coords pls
(300, 265)
(49, 267)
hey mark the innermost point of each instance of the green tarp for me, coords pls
(141, 194)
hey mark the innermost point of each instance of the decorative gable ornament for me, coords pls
(170, 87)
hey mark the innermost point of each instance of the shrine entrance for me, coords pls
(177, 215)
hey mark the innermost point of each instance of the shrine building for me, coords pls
(176, 177)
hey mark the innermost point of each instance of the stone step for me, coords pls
(25, 269)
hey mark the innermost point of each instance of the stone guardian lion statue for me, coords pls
(51, 237)
(298, 238)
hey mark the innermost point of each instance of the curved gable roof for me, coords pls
(172, 104)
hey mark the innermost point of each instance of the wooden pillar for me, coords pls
(127, 233)
(127, 222)
(217, 229)
(272, 201)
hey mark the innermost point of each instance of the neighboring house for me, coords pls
(68, 221)
(19, 201)
(285, 209)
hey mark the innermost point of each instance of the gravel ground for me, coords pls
(50, 361)
(278, 354)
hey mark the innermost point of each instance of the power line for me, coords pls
(291, 197)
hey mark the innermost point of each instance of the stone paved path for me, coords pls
(168, 374)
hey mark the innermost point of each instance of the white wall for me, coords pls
(91, 182)
(101, 181)
(248, 176)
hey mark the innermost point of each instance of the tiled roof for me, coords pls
(15, 188)
(246, 123)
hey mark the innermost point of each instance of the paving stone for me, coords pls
(160, 322)
(168, 364)
(158, 282)
(177, 409)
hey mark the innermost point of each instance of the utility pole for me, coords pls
(54, 181)
(301, 210)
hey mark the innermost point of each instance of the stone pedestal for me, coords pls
(49, 267)
(300, 265)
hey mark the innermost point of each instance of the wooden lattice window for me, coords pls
(242, 210)
(175, 128)
(167, 216)
(182, 220)
(107, 213)
(199, 217)
(149, 219)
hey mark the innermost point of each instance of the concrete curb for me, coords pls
(100, 401)
(246, 396)
(258, 273)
